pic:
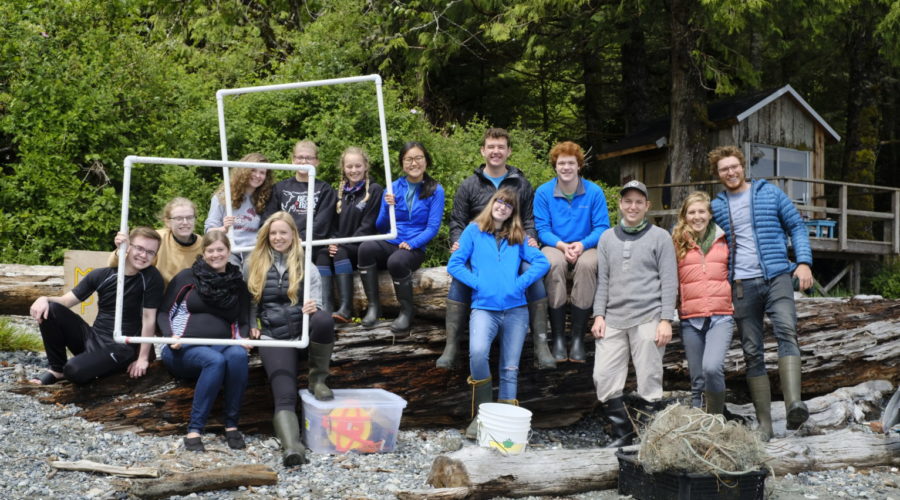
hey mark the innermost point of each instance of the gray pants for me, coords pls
(705, 351)
(611, 362)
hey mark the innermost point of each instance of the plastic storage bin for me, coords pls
(686, 486)
(357, 420)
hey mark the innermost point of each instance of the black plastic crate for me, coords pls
(686, 486)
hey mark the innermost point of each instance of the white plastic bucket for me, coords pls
(505, 427)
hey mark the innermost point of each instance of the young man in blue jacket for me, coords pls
(758, 218)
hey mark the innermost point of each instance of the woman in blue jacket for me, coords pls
(490, 252)
(418, 201)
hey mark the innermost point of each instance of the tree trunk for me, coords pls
(843, 343)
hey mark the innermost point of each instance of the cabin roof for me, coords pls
(654, 134)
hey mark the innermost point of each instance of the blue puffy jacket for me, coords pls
(418, 227)
(492, 271)
(774, 217)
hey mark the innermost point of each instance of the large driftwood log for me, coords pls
(204, 480)
(21, 285)
(843, 343)
(475, 472)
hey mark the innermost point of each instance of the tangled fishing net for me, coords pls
(682, 439)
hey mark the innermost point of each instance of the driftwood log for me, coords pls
(843, 342)
(21, 285)
(475, 472)
(204, 480)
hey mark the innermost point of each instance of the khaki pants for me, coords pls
(583, 274)
(611, 362)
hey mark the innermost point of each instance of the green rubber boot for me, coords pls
(794, 407)
(761, 394)
(287, 428)
(482, 392)
(319, 361)
(715, 402)
(454, 319)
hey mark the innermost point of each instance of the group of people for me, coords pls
(514, 251)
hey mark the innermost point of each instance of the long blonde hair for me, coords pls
(512, 228)
(352, 150)
(264, 255)
(240, 179)
(683, 236)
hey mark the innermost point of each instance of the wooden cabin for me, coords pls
(780, 133)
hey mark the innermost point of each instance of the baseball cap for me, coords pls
(634, 185)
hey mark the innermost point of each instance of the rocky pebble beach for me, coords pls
(33, 434)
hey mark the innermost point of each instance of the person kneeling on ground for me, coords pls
(95, 351)
(209, 301)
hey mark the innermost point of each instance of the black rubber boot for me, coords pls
(579, 327)
(482, 392)
(558, 330)
(453, 323)
(621, 430)
(404, 290)
(327, 296)
(794, 407)
(537, 316)
(287, 428)
(345, 292)
(761, 395)
(369, 277)
(319, 361)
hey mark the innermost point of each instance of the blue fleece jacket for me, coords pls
(492, 271)
(774, 218)
(584, 219)
(418, 227)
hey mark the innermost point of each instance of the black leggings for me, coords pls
(93, 358)
(400, 263)
(348, 251)
(282, 364)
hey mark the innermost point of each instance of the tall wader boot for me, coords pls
(558, 330)
(327, 283)
(621, 429)
(369, 277)
(579, 326)
(482, 392)
(794, 407)
(319, 361)
(715, 402)
(537, 315)
(761, 394)
(345, 290)
(454, 318)
(404, 290)
(287, 428)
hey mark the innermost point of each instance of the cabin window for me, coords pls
(771, 161)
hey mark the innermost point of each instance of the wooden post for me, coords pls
(855, 274)
(895, 233)
(842, 225)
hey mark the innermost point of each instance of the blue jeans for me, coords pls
(705, 350)
(213, 366)
(484, 326)
(752, 299)
(459, 292)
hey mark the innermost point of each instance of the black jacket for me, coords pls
(278, 318)
(358, 218)
(474, 193)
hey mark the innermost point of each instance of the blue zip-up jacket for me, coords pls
(774, 217)
(584, 220)
(420, 226)
(493, 271)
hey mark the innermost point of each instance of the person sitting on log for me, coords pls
(179, 245)
(209, 301)
(250, 192)
(491, 251)
(419, 203)
(637, 281)
(357, 209)
(570, 214)
(704, 300)
(758, 218)
(470, 199)
(275, 280)
(95, 352)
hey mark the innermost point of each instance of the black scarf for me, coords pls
(218, 290)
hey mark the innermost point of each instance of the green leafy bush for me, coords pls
(887, 282)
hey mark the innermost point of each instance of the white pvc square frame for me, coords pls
(226, 165)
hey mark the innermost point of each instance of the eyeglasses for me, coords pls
(729, 168)
(305, 158)
(503, 204)
(409, 160)
(140, 249)
(189, 218)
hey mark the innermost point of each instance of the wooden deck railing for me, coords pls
(836, 193)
